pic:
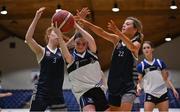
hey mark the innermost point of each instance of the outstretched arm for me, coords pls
(88, 38)
(83, 13)
(65, 52)
(133, 46)
(70, 44)
(35, 47)
(99, 31)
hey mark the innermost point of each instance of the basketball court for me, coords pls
(20, 70)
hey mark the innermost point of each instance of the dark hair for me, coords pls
(149, 42)
(78, 35)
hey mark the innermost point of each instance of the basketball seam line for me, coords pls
(62, 24)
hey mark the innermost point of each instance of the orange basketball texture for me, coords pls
(64, 20)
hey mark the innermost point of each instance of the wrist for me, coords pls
(36, 18)
(119, 33)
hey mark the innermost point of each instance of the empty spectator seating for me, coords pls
(17, 100)
(21, 97)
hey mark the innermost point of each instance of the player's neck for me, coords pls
(149, 58)
(51, 46)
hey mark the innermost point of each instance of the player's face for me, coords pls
(80, 44)
(53, 38)
(147, 49)
(128, 28)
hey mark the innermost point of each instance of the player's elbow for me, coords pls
(28, 39)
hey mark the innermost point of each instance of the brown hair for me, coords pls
(78, 35)
(137, 24)
(48, 31)
(149, 42)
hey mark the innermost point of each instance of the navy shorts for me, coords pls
(96, 97)
(41, 103)
(155, 100)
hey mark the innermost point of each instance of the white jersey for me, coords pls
(152, 82)
(84, 73)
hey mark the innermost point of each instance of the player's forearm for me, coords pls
(65, 50)
(87, 37)
(169, 83)
(85, 34)
(128, 42)
(92, 27)
(31, 29)
(101, 32)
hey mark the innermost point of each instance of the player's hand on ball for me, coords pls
(57, 29)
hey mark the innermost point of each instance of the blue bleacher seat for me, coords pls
(173, 102)
(70, 101)
(17, 100)
(21, 97)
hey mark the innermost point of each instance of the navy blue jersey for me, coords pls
(121, 70)
(51, 74)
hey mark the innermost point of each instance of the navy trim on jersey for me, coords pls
(145, 66)
(81, 61)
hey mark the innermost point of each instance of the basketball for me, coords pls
(64, 19)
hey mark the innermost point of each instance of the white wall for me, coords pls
(18, 64)
(170, 53)
(18, 58)
(14, 63)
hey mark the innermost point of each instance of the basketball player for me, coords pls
(126, 47)
(153, 75)
(84, 71)
(48, 93)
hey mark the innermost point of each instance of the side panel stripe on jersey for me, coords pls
(142, 66)
(159, 63)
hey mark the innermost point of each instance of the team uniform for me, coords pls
(48, 93)
(85, 76)
(153, 84)
(121, 86)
